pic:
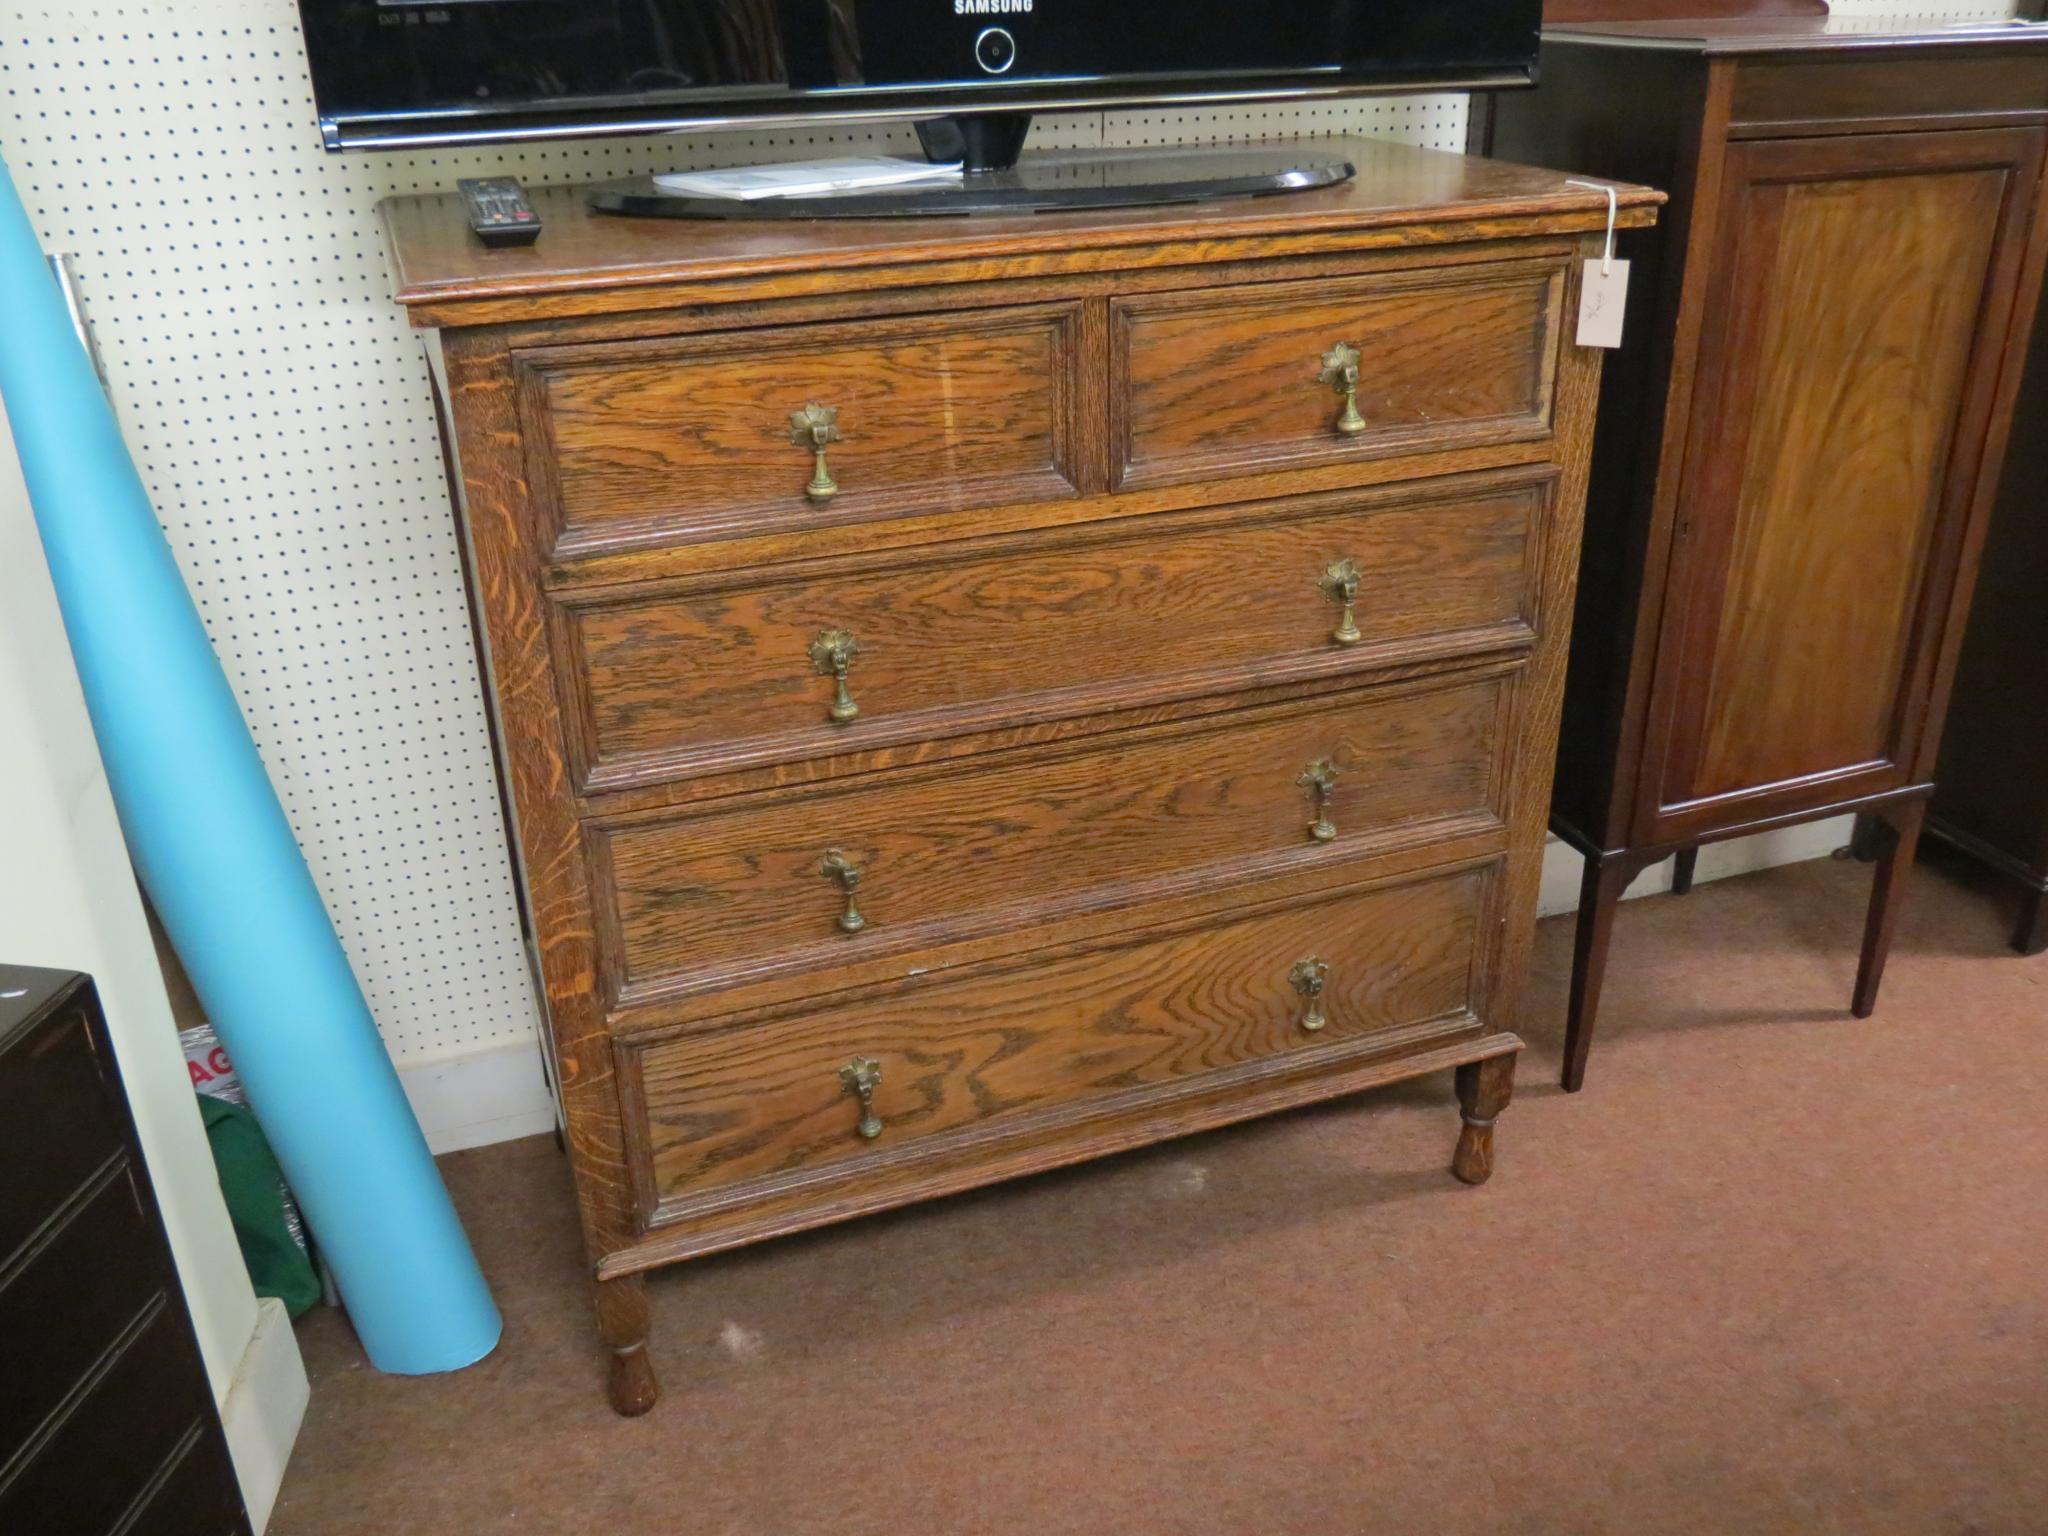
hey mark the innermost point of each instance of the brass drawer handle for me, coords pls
(1340, 582)
(1319, 778)
(832, 653)
(860, 1077)
(816, 427)
(1340, 372)
(837, 867)
(1307, 979)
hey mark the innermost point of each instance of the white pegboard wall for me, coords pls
(1878, 14)
(277, 406)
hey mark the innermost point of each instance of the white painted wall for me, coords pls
(68, 900)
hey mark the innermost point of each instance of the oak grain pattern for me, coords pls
(680, 681)
(1402, 197)
(652, 677)
(475, 378)
(699, 901)
(641, 442)
(1228, 378)
(767, 1100)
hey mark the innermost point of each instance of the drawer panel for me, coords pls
(691, 438)
(1100, 1033)
(692, 903)
(1230, 381)
(680, 681)
(145, 1408)
(54, 1079)
(74, 1297)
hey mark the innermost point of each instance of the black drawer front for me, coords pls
(50, 1087)
(65, 1307)
(196, 1497)
(113, 1444)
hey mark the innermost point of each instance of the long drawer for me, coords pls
(682, 680)
(1232, 381)
(849, 1091)
(690, 903)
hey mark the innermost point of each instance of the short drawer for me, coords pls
(1236, 381)
(691, 438)
(681, 680)
(1096, 1034)
(813, 880)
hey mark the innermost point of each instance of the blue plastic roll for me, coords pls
(217, 856)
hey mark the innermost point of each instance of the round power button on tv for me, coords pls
(995, 50)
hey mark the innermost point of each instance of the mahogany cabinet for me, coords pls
(1991, 789)
(977, 695)
(1800, 436)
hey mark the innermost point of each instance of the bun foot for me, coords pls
(1484, 1088)
(632, 1388)
(1473, 1161)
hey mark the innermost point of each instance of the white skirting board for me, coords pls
(265, 1402)
(500, 1093)
(1562, 865)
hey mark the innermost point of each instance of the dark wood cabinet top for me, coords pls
(25, 992)
(1797, 34)
(437, 263)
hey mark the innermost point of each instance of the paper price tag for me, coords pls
(1603, 295)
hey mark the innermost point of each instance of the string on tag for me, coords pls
(1607, 254)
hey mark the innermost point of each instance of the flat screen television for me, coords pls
(402, 73)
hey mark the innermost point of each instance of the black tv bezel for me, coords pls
(622, 116)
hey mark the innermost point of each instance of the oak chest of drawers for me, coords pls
(977, 695)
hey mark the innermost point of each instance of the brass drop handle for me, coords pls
(860, 1077)
(1340, 372)
(1307, 978)
(816, 427)
(832, 653)
(1319, 778)
(837, 867)
(1340, 583)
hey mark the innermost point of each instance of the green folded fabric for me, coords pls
(254, 1187)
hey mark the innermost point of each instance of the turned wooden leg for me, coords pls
(1896, 843)
(1599, 894)
(1484, 1088)
(2030, 936)
(622, 1324)
(1682, 866)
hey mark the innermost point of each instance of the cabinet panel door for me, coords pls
(1847, 370)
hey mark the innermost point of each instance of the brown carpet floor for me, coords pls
(1775, 1270)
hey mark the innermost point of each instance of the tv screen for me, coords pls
(393, 73)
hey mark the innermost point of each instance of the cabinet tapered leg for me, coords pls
(2030, 935)
(622, 1324)
(1898, 836)
(1682, 867)
(1484, 1088)
(1599, 894)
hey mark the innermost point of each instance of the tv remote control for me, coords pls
(499, 213)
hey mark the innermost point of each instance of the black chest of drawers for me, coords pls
(107, 1424)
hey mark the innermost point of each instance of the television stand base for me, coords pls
(1121, 178)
